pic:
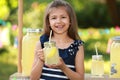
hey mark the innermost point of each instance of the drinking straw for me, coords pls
(50, 36)
(96, 49)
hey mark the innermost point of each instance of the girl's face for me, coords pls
(59, 20)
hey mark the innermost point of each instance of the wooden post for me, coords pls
(20, 24)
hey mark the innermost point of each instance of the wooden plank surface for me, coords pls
(19, 76)
(105, 77)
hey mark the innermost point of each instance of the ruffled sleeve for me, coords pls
(71, 50)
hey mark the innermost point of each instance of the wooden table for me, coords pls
(105, 77)
(18, 76)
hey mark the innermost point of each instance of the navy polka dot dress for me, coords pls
(68, 56)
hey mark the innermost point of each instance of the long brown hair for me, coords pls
(73, 29)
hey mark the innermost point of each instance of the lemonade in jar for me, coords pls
(115, 57)
(51, 53)
(28, 46)
(97, 68)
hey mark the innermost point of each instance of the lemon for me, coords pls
(52, 52)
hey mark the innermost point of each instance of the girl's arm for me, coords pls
(37, 64)
(79, 64)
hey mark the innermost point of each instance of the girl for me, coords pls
(61, 19)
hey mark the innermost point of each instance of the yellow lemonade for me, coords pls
(115, 58)
(28, 48)
(51, 53)
(97, 67)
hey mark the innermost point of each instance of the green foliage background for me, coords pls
(89, 12)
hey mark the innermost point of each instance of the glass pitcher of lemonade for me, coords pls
(28, 46)
(51, 53)
(115, 57)
(97, 67)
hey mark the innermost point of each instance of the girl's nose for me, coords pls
(58, 20)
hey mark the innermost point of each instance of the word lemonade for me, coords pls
(115, 57)
(28, 46)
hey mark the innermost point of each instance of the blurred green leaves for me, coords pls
(89, 12)
(7, 7)
(34, 16)
(4, 10)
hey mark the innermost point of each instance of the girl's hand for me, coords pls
(59, 65)
(40, 54)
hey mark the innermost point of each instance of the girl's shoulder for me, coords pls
(71, 50)
(77, 43)
(43, 38)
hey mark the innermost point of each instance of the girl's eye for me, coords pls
(63, 17)
(53, 18)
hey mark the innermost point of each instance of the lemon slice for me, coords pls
(52, 52)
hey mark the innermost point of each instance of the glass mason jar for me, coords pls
(97, 67)
(51, 53)
(28, 47)
(115, 57)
